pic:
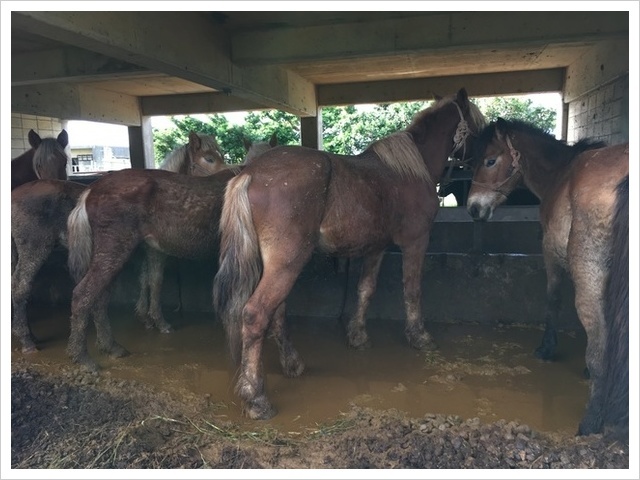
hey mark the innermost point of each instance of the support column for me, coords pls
(141, 145)
(311, 131)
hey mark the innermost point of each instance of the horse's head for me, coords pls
(497, 171)
(472, 121)
(254, 149)
(50, 156)
(205, 157)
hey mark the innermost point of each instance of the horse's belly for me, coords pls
(192, 245)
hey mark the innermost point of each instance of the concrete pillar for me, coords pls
(141, 145)
(311, 131)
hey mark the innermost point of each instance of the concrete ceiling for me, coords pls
(118, 66)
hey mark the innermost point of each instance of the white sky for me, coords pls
(82, 133)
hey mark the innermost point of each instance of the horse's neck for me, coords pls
(437, 147)
(540, 174)
(22, 169)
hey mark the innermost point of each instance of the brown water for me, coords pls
(478, 371)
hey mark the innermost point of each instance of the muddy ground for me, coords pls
(66, 418)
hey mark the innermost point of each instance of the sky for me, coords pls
(82, 133)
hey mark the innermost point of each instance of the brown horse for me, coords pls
(576, 186)
(169, 214)
(291, 201)
(39, 213)
(46, 158)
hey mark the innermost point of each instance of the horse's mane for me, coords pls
(552, 147)
(399, 151)
(47, 149)
(176, 158)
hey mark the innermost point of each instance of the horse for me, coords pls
(615, 405)
(46, 158)
(165, 212)
(576, 185)
(292, 200)
(39, 214)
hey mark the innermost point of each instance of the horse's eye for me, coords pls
(490, 162)
(210, 159)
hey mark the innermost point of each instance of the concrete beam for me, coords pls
(76, 102)
(603, 63)
(68, 65)
(424, 32)
(185, 104)
(481, 85)
(141, 38)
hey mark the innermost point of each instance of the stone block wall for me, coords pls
(22, 123)
(601, 114)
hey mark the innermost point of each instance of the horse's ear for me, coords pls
(63, 138)
(501, 128)
(34, 139)
(247, 143)
(462, 97)
(194, 140)
(273, 141)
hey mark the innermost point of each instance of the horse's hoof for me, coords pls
(87, 363)
(260, 409)
(29, 349)
(166, 329)
(118, 351)
(293, 369)
(422, 342)
(359, 340)
(589, 427)
(543, 354)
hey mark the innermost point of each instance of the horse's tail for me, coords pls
(79, 238)
(240, 266)
(616, 356)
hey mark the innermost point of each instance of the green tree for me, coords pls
(514, 108)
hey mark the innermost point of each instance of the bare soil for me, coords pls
(71, 419)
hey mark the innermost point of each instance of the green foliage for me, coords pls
(347, 130)
(513, 108)
(258, 127)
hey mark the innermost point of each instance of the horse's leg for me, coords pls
(589, 271)
(412, 261)
(104, 336)
(292, 364)
(276, 283)
(549, 342)
(155, 270)
(142, 305)
(356, 329)
(106, 263)
(30, 260)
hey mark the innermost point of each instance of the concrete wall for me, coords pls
(507, 285)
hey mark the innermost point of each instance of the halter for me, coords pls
(515, 168)
(459, 141)
(194, 167)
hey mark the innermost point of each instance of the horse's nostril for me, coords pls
(473, 210)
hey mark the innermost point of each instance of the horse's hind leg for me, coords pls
(104, 337)
(412, 261)
(90, 293)
(30, 260)
(142, 305)
(547, 348)
(292, 364)
(155, 277)
(356, 329)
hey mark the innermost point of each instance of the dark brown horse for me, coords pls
(576, 186)
(39, 213)
(168, 213)
(291, 201)
(46, 158)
